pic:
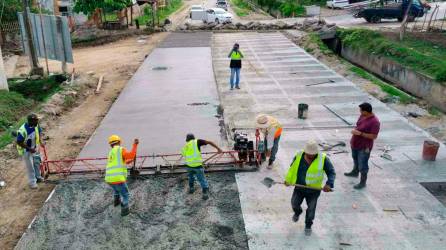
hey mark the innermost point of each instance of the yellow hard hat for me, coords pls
(114, 138)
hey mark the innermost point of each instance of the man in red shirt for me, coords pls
(366, 131)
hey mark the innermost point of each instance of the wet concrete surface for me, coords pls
(346, 216)
(157, 104)
(80, 215)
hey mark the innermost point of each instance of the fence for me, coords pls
(51, 37)
(434, 20)
(8, 30)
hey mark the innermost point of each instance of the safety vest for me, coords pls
(315, 173)
(236, 55)
(192, 154)
(276, 126)
(22, 131)
(116, 170)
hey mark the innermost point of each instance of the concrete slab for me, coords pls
(168, 97)
(270, 84)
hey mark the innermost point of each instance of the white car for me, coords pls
(197, 12)
(337, 4)
(218, 15)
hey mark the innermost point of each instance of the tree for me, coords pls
(88, 7)
(9, 9)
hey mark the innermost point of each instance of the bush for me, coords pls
(291, 8)
(38, 90)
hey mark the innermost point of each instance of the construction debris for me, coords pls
(98, 88)
(307, 25)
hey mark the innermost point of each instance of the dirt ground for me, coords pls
(66, 133)
(163, 216)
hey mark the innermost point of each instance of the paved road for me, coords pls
(347, 20)
(274, 77)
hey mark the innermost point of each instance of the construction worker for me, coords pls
(235, 66)
(28, 142)
(192, 155)
(307, 169)
(116, 171)
(272, 130)
(366, 131)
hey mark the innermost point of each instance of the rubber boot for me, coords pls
(353, 173)
(295, 217)
(125, 211)
(270, 164)
(117, 201)
(205, 193)
(362, 183)
(308, 230)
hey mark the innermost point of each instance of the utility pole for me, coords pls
(35, 68)
(3, 80)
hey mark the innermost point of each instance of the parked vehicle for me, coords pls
(197, 12)
(218, 15)
(222, 4)
(374, 15)
(339, 4)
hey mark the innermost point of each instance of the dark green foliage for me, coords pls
(291, 8)
(88, 7)
(37, 90)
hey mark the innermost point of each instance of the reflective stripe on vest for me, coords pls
(116, 170)
(315, 173)
(192, 154)
(22, 131)
(236, 55)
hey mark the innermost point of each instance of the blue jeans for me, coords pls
(235, 72)
(199, 172)
(121, 191)
(361, 160)
(32, 164)
(274, 149)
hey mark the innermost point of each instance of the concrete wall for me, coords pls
(415, 83)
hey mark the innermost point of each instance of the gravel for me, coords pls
(80, 215)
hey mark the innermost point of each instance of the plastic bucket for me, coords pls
(302, 111)
(430, 150)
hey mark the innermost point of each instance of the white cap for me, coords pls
(311, 148)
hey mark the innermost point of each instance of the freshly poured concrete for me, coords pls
(172, 94)
(274, 75)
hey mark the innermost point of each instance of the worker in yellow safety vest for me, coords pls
(191, 153)
(116, 171)
(235, 65)
(307, 170)
(28, 143)
(272, 130)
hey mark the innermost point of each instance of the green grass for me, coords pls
(23, 98)
(434, 111)
(162, 14)
(389, 89)
(421, 56)
(37, 90)
(241, 8)
(315, 39)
